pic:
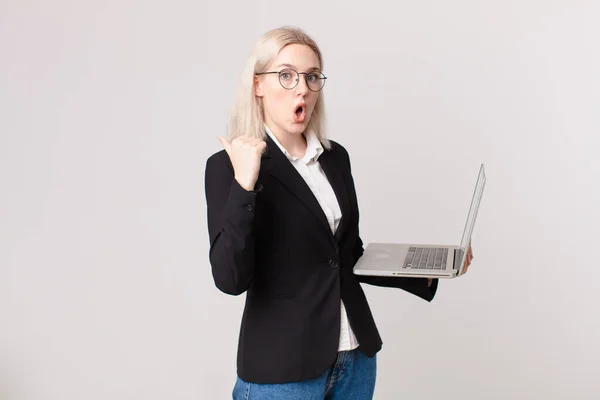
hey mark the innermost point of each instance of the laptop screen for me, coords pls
(466, 237)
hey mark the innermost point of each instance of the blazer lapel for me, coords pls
(334, 173)
(277, 164)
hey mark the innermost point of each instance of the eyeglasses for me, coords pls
(289, 78)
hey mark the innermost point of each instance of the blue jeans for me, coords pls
(351, 378)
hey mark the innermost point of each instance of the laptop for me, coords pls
(422, 260)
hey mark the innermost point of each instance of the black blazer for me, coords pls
(274, 244)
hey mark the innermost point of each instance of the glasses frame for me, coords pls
(323, 78)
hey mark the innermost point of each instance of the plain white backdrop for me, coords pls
(109, 109)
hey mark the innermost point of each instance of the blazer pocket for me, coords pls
(282, 296)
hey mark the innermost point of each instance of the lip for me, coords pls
(300, 117)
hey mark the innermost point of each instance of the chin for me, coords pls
(298, 129)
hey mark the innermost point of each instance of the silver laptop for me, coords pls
(422, 260)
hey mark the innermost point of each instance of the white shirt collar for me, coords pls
(314, 148)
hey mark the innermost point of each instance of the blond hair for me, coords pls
(247, 113)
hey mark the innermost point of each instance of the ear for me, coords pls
(258, 87)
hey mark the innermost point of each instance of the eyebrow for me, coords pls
(294, 67)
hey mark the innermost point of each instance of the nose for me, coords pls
(302, 87)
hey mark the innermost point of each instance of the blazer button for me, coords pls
(333, 264)
(249, 207)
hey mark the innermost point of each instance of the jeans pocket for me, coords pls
(241, 390)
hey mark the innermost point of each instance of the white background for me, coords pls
(109, 109)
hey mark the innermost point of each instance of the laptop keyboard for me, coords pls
(426, 258)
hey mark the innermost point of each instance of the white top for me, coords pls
(309, 168)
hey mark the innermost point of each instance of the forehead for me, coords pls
(298, 56)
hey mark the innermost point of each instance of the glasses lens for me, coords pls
(315, 81)
(288, 78)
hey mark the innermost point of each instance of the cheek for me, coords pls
(278, 102)
(313, 101)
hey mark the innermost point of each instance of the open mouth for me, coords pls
(300, 113)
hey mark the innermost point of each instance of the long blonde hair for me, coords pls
(247, 114)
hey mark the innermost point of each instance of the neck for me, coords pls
(294, 144)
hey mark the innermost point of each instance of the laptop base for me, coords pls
(407, 260)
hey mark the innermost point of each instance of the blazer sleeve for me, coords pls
(417, 286)
(230, 217)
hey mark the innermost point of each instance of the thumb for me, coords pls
(225, 143)
(262, 146)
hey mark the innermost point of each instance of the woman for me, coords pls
(283, 224)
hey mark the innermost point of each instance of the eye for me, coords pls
(313, 77)
(285, 75)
